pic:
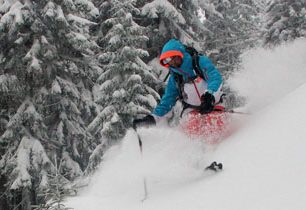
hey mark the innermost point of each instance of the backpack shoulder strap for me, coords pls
(195, 60)
(196, 66)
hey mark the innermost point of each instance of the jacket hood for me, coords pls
(175, 48)
(172, 48)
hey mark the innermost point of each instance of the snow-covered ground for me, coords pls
(264, 159)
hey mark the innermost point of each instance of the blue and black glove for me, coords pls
(147, 121)
(207, 103)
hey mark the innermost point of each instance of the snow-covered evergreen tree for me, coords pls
(57, 188)
(231, 27)
(166, 19)
(126, 84)
(285, 21)
(47, 68)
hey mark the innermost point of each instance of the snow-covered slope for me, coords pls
(264, 159)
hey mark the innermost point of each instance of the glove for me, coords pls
(207, 103)
(144, 122)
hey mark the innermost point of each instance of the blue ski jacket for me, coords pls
(212, 76)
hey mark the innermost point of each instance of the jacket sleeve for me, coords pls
(211, 74)
(168, 100)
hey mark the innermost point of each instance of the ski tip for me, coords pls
(214, 166)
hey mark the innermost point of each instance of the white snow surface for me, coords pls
(264, 157)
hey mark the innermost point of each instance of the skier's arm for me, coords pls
(168, 100)
(211, 74)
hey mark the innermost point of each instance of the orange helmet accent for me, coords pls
(168, 54)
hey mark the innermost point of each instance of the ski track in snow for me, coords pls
(264, 159)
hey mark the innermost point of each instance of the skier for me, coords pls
(197, 88)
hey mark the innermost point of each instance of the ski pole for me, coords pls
(144, 178)
(232, 111)
(236, 112)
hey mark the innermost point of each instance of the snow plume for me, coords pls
(168, 158)
(269, 74)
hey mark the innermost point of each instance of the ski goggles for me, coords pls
(167, 60)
